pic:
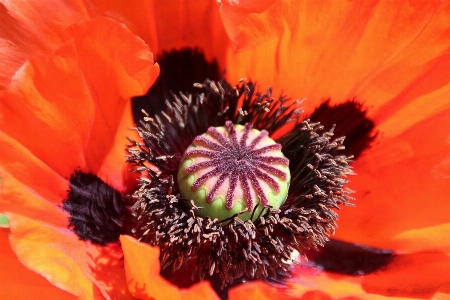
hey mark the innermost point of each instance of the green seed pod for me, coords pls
(233, 169)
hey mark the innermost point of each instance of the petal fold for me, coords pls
(72, 108)
(142, 271)
(168, 25)
(106, 269)
(144, 281)
(400, 278)
(256, 290)
(26, 30)
(65, 111)
(20, 283)
(56, 253)
(429, 238)
(401, 188)
(384, 53)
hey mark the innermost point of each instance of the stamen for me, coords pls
(229, 248)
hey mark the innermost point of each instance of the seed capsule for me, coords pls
(232, 169)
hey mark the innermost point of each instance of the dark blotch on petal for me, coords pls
(95, 209)
(180, 69)
(352, 122)
(350, 259)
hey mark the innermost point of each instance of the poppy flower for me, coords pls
(56, 123)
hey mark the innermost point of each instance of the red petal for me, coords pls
(18, 282)
(106, 266)
(377, 51)
(256, 290)
(142, 271)
(27, 30)
(144, 282)
(417, 275)
(308, 283)
(66, 111)
(401, 186)
(417, 240)
(80, 109)
(122, 68)
(54, 252)
(167, 25)
(25, 185)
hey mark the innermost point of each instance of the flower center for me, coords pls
(234, 170)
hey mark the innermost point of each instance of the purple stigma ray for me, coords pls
(266, 149)
(209, 143)
(259, 190)
(273, 159)
(232, 132)
(244, 137)
(262, 135)
(233, 159)
(248, 195)
(216, 186)
(200, 152)
(213, 131)
(272, 170)
(268, 179)
(210, 174)
(201, 165)
(230, 195)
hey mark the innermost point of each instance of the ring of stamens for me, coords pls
(259, 247)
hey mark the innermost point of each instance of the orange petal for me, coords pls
(167, 25)
(80, 109)
(420, 64)
(142, 271)
(424, 239)
(125, 69)
(416, 110)
(30, 187)
(398, 280)
(101, 265)
(315, 295)
(377, 51)
(200, 290)
(38, 111)
(18, 282)
(401, 278)
(27, 30)
(121, 68)
(401, 186)
(441, 296)
(244, 6)
(18, 199)
(59, 110)
(106, 266)
(306, 280)
(56, 253)
(256, 290)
